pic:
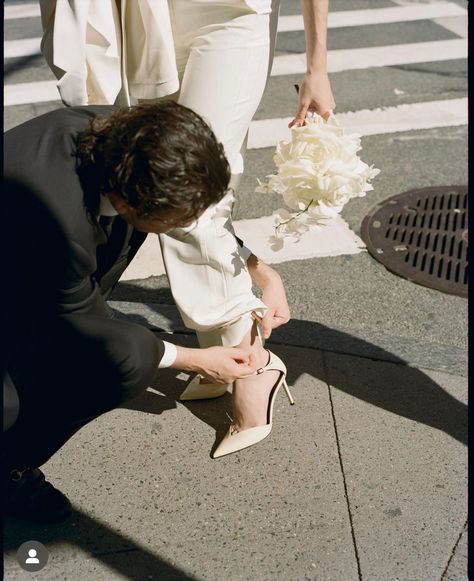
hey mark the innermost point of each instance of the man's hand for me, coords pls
(273, 295)
(216, 364)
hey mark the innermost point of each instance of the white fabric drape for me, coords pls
(214, 57)
(105, 53)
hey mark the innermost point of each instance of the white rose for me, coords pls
(319, 171)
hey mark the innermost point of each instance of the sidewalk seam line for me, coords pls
(454, 551)
(339, 454)
(401, 363)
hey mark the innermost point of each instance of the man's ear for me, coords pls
(118, 203)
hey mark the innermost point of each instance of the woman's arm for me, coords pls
(315, 92)
(273, 294)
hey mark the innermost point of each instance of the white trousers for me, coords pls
(223, 53)
(219, 53)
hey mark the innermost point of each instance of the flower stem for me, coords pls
(293, 217)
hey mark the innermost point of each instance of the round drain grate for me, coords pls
(421, 235)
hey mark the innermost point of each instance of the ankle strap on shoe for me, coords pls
(258, 324)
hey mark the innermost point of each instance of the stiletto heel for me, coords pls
(288, 392)
(234, 440)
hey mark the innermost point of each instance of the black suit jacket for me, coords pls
(58, 257)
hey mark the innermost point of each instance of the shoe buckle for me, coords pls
(260, 371)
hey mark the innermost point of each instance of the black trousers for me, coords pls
(69, 370)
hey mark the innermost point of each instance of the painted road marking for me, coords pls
(335, 19)
(338, 60)
(21, 48)
(147, 261)
(408, 117)
(377, 56)
(330, 239)
(350, 18)
(25, 93)
(24, 11)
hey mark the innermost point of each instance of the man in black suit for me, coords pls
(84, 186)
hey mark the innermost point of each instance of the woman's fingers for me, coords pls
(272, 320)
(300, 115)
(298, 121)
(267, 323)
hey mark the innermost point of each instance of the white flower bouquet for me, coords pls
(319, 171)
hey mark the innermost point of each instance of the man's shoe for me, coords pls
(27, 494)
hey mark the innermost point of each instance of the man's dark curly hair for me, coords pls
(156, 157)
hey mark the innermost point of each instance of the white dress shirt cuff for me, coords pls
(169, 356)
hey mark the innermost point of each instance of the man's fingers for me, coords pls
(240, 354)
(245, 371)
(247, 368)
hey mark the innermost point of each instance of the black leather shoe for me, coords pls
(27, 494)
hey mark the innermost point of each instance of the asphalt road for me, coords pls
(348, 302)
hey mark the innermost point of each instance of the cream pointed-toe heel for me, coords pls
(234, 440)
(196, 390)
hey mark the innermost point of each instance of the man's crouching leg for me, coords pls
(77, 368)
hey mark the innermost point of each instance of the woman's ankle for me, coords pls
(252, 342)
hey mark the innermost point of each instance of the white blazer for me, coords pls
(85, 45)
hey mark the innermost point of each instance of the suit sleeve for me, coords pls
(44, 274)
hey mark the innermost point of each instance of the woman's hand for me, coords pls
(273, 295)
(278, 313)
(315, 94)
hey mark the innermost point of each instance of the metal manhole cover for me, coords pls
(421, 235)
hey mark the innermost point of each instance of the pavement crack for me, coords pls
(453, 552)
(341, 464)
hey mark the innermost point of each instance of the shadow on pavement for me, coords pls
(215, 413)
(352, 365)
(101, 542)
(403, 390)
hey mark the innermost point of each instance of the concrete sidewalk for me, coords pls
(364, 478)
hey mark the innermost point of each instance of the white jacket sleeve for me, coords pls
(102, 56)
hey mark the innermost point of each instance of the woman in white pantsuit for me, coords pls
(215, 58)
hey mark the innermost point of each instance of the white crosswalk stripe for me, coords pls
(336, 237)
(331, 239)
(377, 56)
(21, 48)
(338, 61)
(25, 93)
(349, 18)
(335, 20)
(21, 11)
(409, 117)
